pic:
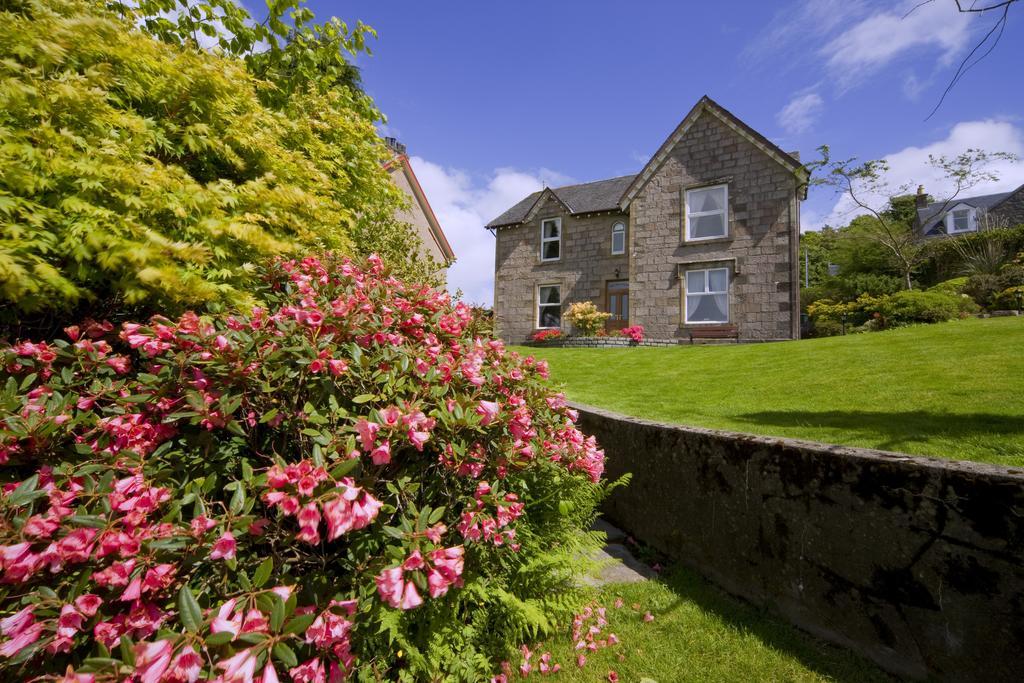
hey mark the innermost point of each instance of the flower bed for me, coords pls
(345, 480)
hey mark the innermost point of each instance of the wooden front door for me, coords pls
(617, 303)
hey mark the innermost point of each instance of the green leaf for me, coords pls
(221, 638)
(188, 610)
(285, 655)
(238, 499)
(277, 614)
(363, 398)
(299, 624)
(263, 572)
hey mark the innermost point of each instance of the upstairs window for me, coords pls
(549, 306)
(550, 239)
(707, 296)
(959, 220)
(707, 214)
(619, 238)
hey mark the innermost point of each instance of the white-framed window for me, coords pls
(960, 220)
(550, 239)
(619, 238)
(549, 306)
(707, 213)
(707, 296)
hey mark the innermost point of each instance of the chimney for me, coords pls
(396, 146)
(922, 199)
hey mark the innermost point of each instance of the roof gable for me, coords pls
(600, 195)
(932, 214)
(709, 106)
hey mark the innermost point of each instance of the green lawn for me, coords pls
(701, 634)
(954, 390)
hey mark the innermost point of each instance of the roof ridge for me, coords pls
(591, 182)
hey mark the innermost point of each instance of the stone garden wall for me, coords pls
(915, 563)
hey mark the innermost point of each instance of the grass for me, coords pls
(953, 390)
(702, 634)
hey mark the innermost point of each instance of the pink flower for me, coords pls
(613, 677)
(311, 671)
(226, 621)
(152, 660)
(648, 616)
(239, 668)
(222, 343)
(381, 455)
(186, 665)
(269, 673)
(337, 367)
(391, 416)
(224, 547)
(581, 660)
(367, 433)
(488, 411)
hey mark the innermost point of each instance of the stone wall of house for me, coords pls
(586, 264)
(760, 250)
(1011, 209)
(915, 563)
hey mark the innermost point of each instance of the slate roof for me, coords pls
(600, 195)
(930, 217)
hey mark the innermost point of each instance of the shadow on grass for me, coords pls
(830, 661)
(894, 429)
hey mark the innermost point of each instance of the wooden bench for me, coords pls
(714, 332)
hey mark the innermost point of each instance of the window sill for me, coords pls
(709, 240)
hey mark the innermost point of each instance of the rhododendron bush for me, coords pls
(345, 483)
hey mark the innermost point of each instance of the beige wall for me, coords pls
(416, 216)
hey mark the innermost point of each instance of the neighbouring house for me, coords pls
(419, 215)
(969, 214)
(702, 242)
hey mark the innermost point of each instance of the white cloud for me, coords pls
(909, 167)
(882, 37)
(464, 207)
(797, 24)
(801, 112)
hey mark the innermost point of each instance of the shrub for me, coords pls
(953, 286)
(544, 335)
(636, 333)
(586, 318)
(845, 288)
(1007, 299)
(905, 308)
(139, 172)
(876, 313)
(343, 481)
(985, 288)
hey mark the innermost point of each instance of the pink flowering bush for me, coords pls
(346, 483)
(635, 333)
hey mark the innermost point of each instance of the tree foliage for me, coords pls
(141, 172)
(889, 210)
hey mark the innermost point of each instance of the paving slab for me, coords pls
(617, 564)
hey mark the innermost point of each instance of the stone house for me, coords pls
(702, 242)
(419, 214)
(969, 214)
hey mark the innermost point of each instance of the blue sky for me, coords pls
(496, 99)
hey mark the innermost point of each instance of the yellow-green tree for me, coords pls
(139, 172)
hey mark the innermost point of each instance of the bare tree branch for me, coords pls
(996, 29)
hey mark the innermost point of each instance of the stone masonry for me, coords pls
(586, 264)
(760, 251)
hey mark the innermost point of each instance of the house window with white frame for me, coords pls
(707, 296)
(707, 213)
(550, 239)
(619, 238)
(959, 220)
(549, 306)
